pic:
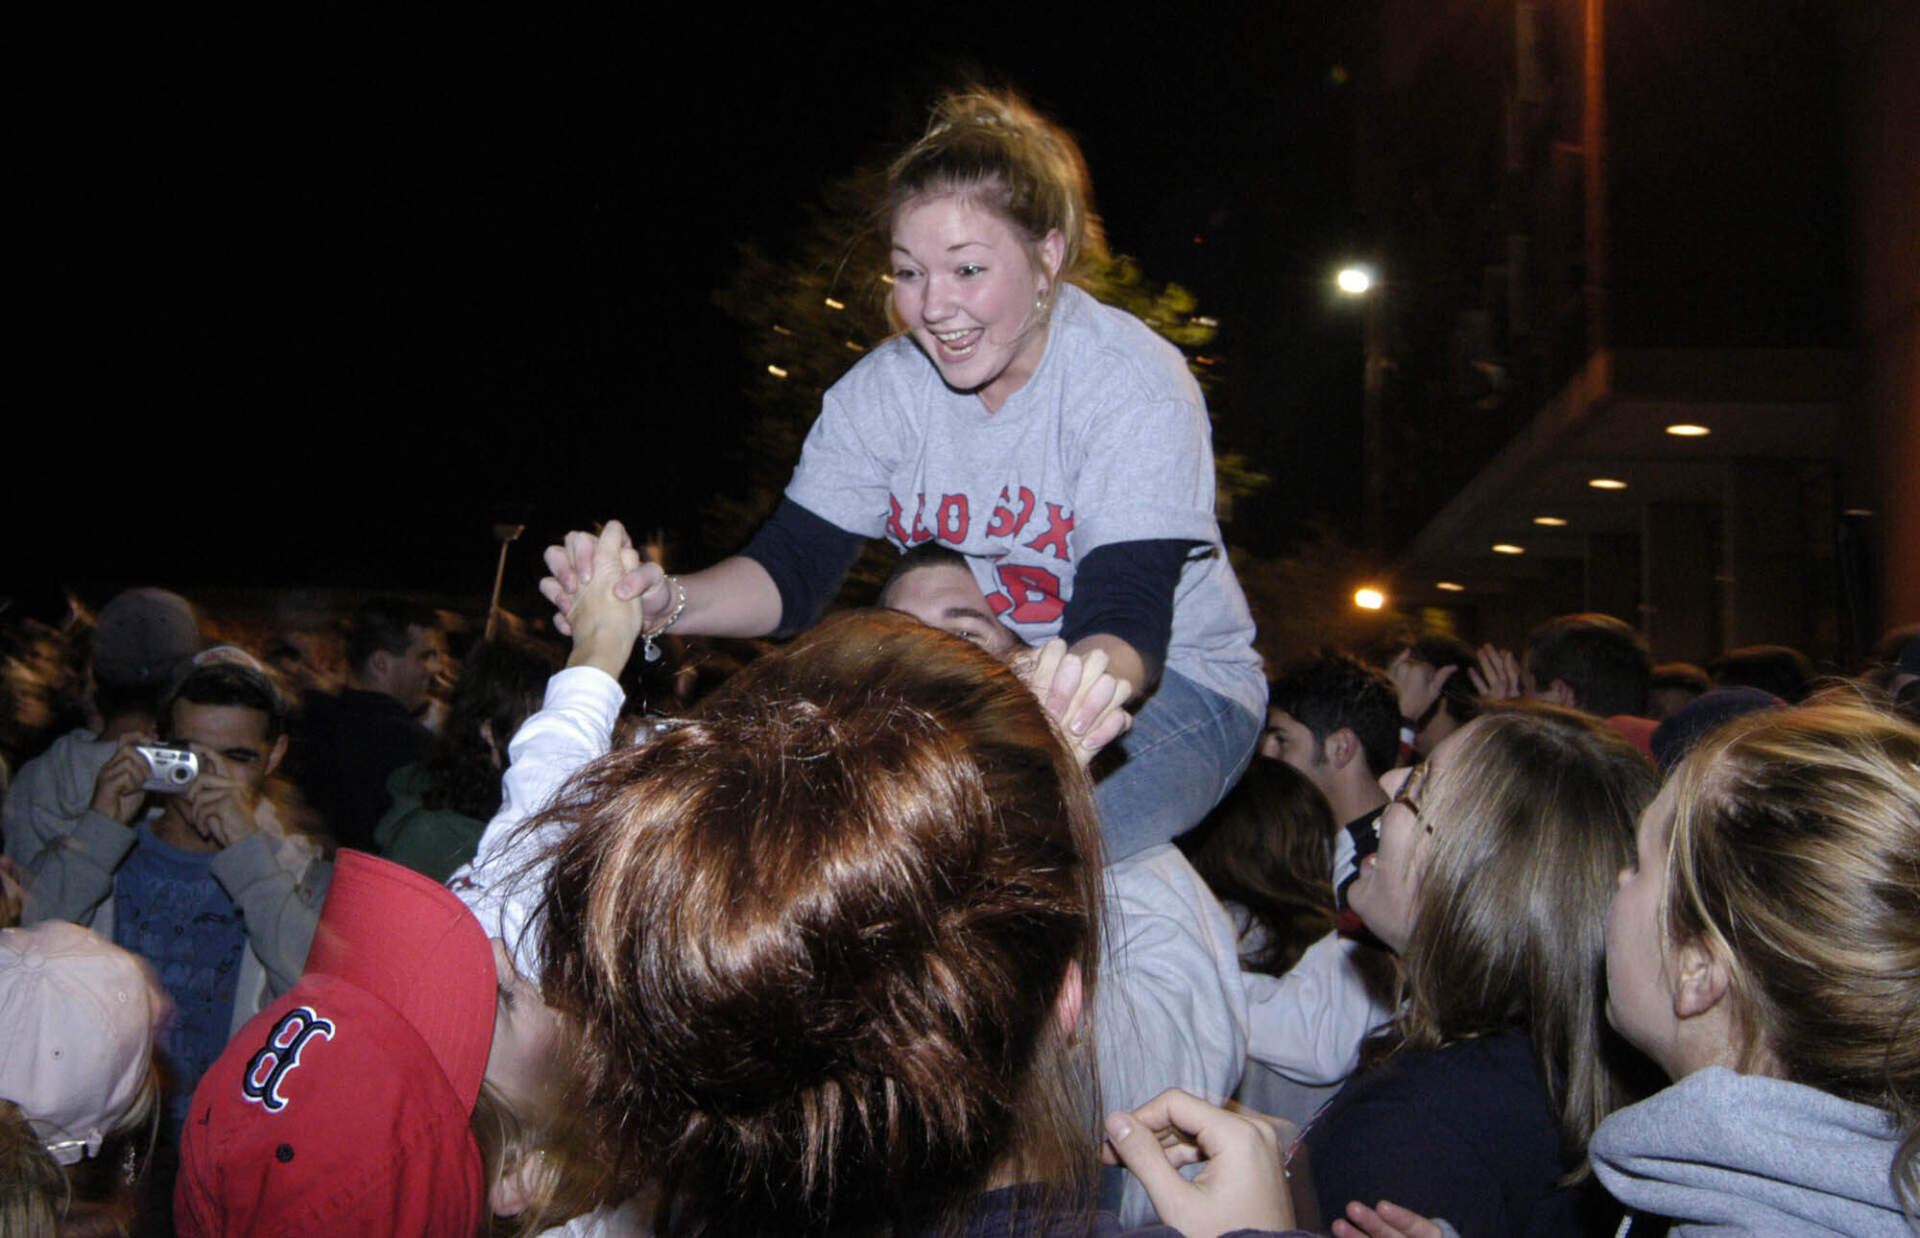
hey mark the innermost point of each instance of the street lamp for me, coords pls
(1357, 280)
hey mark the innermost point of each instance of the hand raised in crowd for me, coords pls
(603, 624)
(117, 790)
(222, 808)
(1417, 683)
(1499, 677)
(1244, 1183)
(572, 564)
(1078, 694)
(1389, 1220)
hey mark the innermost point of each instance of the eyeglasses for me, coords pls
(1410, 786)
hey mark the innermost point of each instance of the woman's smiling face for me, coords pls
(972, 291)
(1386, 894)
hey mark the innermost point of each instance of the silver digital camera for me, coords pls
(174, 769)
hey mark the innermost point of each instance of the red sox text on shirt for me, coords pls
(1028, 593)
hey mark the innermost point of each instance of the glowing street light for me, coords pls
(1359, 282)
(1369, 599)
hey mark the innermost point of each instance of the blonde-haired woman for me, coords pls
(1056, 442)
(1764, 950)
(1496, 861)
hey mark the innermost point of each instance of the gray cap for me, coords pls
(142, 636)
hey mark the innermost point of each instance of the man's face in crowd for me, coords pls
(231, 742)
(948, 598)
(1288, 740)
(413, 671)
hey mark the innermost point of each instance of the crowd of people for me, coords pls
(1021, 903)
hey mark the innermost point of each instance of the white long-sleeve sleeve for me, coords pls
(1308, 1023)
(1171, 1012)
(502, 885)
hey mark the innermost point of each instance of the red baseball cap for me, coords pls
(344, 1106)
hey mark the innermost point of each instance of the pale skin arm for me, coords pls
(734, 597)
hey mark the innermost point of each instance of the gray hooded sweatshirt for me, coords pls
(1722, 1153)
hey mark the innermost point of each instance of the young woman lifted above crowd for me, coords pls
(1058, 443)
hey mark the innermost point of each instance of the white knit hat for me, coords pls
(77, 1018)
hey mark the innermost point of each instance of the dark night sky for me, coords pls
(306, 306)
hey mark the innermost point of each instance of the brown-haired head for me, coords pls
(1533, 817)
(1795, 858)
(817, 932)
(1268, 847)
(994, 149)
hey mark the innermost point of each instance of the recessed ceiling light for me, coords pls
(1551, 522)
(1508, 548)
(1687, 429)
(1607, 483)
(1447, 586)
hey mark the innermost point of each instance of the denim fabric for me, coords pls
(1187, 748)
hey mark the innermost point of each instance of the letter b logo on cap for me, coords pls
(268, 1067)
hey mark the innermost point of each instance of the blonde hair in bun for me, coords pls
(992, 147)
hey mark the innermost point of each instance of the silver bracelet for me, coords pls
(649, 650)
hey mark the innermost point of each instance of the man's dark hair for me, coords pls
(228, 683)
(1331, 690)
(502, 683)
(926, 554)
(115, 700)
(1604, 661)
(1785, 672)
(1679, 675)
(384, 624)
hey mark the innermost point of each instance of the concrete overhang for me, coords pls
(1610, 421)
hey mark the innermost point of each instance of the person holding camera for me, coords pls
(204, 884)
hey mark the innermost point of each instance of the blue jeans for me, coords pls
(1187, 748)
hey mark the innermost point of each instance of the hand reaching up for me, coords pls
(603, 624)
(1498, 677)
(1417, 683)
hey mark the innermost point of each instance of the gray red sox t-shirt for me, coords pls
(1107, 442)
